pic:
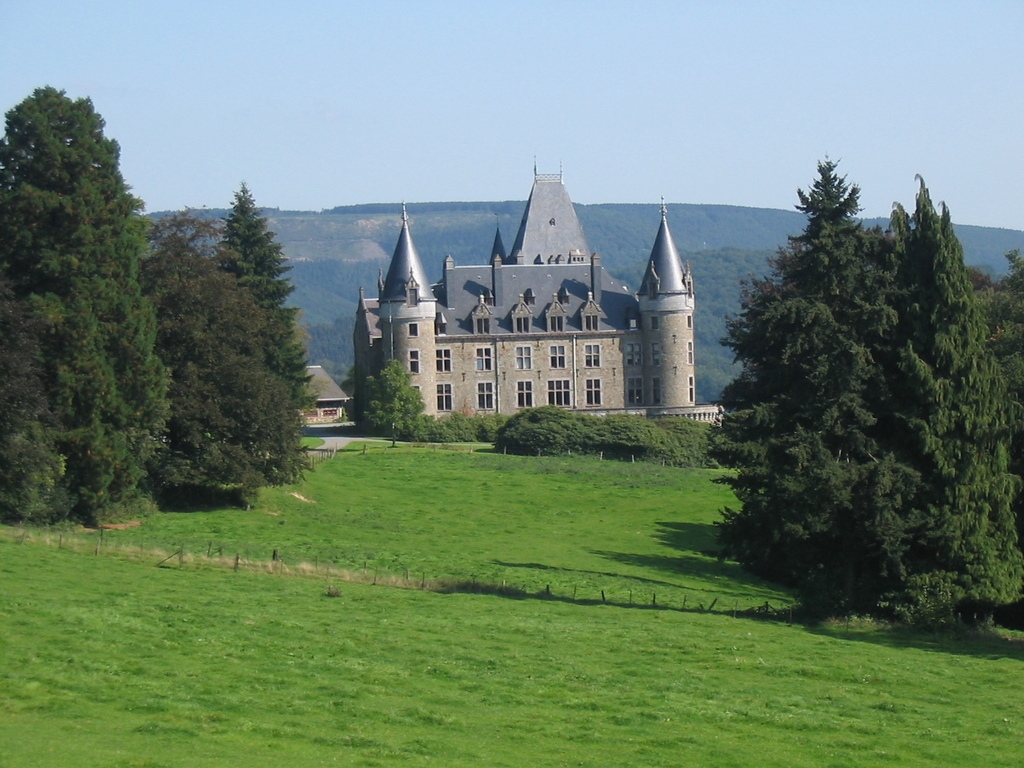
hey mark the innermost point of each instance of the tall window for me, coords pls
(592, 355)
(414, 361)
(414, 329)
(558, 356)
(556, 324)
(591, 322)
(634, 353)
(524, 394)
(558, 392)
(689, 321)
(524, 359)
(444, 397)
(689, 352)
(593, 387)
(483, 358)
(654, 322)
(485, 395)
(444, 361)
(635, 390)
(692, 390)
(655, 353)
(656, 391)
(523, 324)
(483, 325)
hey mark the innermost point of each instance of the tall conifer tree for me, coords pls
(954, 416)
(71, 237)
(821, 495)
(257, 260)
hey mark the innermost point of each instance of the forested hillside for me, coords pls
(334, 252)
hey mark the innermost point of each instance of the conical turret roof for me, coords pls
(664, 268)
(549, 226)
(405, 263)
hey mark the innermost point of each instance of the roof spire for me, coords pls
(405, 265)
(664, 272)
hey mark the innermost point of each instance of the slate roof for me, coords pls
(664, 262)
(549, 226)
(405, 262)
(465, 284)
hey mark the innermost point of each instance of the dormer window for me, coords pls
(529, 298)
(556, 316)
(481, 317)
(412, 291)
(591, 313)
(521, 316)
(563, 295)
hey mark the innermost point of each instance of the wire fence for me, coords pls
(213, 555)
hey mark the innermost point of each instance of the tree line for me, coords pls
(137, 362)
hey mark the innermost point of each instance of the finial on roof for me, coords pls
(559, 170)
(535, 165)
(664, 208)
(405, 216)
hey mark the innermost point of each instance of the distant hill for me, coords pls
(334, 252)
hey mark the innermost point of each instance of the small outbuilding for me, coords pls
(331, 400)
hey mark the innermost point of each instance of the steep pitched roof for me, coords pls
(405, 262)
(664, 265)
(498, 249)
(549, 226)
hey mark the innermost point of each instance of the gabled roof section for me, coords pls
(664, 268)
(323, 385)
(405, 263)
(549, 226)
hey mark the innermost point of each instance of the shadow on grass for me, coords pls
(959, 641)
(606, 574)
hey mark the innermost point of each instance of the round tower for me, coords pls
(408, 309)
(666, 321)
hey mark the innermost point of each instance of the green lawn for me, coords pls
(111, 661)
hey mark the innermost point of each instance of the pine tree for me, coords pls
(822, 497)
(71, 237)
(258, 261)
(953, 415)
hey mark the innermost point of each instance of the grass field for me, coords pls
(111, 661)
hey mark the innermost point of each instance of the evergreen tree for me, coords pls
(30, 468)
(953, 420)
(1004, 306)
(822, 497)
(257, 260)
(71, 237)
(232, 426)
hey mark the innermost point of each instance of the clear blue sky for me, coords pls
(317, 104)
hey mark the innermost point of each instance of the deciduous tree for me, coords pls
(232, 426)
(394, 402)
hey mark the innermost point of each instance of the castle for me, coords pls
(543, 324)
